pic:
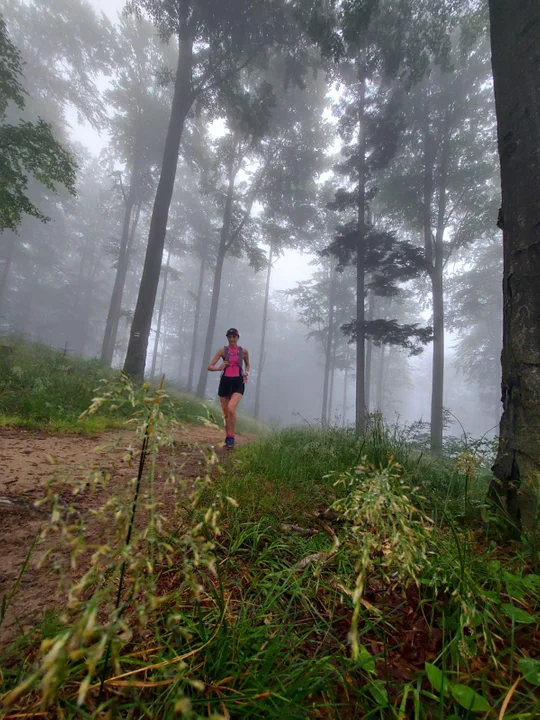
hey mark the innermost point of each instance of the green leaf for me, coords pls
(437, 678)
(469, 699)
(377, 689)
(366, 660)
(517, 614)
(530, 670)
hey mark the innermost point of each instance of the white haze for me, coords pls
(410, 405)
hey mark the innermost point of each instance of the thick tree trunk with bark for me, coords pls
(142, 320)
(196, 321)
(160, 315)
(515, 48)
(360, 269)
(263, 337)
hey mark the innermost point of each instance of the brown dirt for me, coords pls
(31, 459)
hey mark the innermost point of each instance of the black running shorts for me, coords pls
(230, 385)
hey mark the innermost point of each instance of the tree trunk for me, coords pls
(515, 43)
(182, 101)
(218, 272)
(160, 315)
(115, 306)
(8, 259)
(329, 343)
(369, 349)
(196, 321)
(360, 264)
(163, 345)
(345, 388)
(224, 237)
(331, 392)
(437, 388)
(380, 381)
(263, 337)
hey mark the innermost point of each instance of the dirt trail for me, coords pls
(26, 467)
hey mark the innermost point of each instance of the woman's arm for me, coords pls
(212, 367)
(246, 361)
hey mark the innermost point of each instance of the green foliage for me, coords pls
(268, 636)
(10, 72)
(25, 148)
(43, 387)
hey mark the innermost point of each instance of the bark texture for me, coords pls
(115, 306)
(515, 48)
(263, 337)
(326, 410)
(360, 269)
(196, 321)
(183, 98)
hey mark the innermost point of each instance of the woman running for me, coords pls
(233, 380)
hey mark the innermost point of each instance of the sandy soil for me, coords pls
(28, 461)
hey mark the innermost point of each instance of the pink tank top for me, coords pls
(233, 368)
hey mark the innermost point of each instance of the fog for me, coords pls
(105, 83)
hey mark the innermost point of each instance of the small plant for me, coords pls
(386, 532)
(130, 540)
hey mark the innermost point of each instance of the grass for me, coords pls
(405, 603)
(41, 388)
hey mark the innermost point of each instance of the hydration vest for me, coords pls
(226, 356)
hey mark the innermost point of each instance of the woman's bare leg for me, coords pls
(225, 408)
(231, 413)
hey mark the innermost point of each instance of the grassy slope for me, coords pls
(269, 640)
(40, 388)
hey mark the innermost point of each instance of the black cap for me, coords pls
(232, 331)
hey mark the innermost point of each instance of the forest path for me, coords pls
(32, 459)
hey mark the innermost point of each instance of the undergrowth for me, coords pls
(312, 574)
(43, 388)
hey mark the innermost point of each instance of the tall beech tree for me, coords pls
(215, 41)
(137, 129)
(515, 51)
(440, 186)
(271, 157)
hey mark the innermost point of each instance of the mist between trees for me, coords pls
(237, 135)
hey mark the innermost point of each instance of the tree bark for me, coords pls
(515, 43)
(331, 392)
(182, 101)
(369, 348)
(345, 388)
(160, 315)
(115, 306)
(263, 337)
(360, 267)
(380, 380)
(196, 321)
(8, 259)
(437, 389)
(329, 343)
